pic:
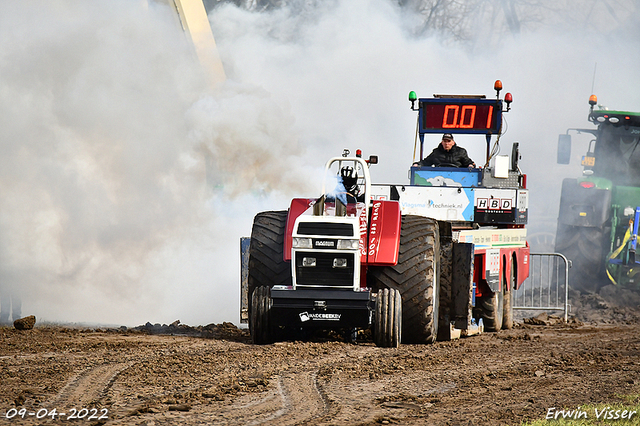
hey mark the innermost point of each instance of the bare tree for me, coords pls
(448, 18)
(483, 22)
(511, 16)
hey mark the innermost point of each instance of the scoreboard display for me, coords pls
(460, 115)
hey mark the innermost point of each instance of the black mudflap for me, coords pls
(321, 308)
(462, 284)
(456, 285)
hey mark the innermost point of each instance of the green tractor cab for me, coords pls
(597, 214)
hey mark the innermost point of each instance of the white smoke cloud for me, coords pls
(125, 184)
(124, 181)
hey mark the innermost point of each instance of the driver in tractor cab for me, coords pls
(447, 154)
(350, 181)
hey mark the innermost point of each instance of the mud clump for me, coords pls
(612, 305)
(26, 323)
(544, 319)
(224, 331)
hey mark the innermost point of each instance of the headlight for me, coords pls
(339, 263)
(301, 243)
(348, 244)
(309, 262)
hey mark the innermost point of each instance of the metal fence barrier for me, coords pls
(547, 288)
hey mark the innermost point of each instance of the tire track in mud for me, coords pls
(89, 387)
(302, 399)
(297, 398)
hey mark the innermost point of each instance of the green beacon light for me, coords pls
(413, 98)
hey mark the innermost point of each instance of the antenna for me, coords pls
(593, 83)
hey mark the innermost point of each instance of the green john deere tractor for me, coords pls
(598, 216)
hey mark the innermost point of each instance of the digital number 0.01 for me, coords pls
(454, 117)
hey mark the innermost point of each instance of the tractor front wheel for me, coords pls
(387, 331)
(261, 332)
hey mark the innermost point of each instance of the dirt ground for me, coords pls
(213, 375)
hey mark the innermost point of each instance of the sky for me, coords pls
(126, 182)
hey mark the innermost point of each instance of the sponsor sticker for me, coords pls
(306, 316)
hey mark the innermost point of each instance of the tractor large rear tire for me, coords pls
(584, 247)
(387, 331)
(260, 319)
(415, 276)
(266, 252)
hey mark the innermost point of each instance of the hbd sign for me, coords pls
(494, 204)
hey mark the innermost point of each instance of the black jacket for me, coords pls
(456, 155)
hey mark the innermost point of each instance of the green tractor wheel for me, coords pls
(584, 247)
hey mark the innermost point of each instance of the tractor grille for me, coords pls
(324, 274)
(325, 228)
